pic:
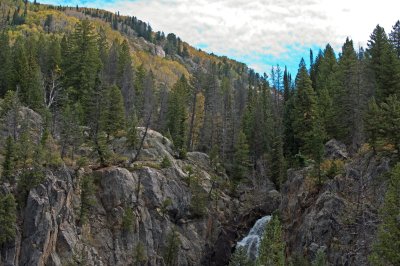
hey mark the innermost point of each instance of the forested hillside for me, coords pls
(98, 80)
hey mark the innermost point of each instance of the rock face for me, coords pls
(341, 216)
(51, 231)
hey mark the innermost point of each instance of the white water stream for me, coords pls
(252, 241)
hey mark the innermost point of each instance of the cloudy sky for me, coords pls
(260, 33)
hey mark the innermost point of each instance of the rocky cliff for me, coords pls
(340, 216)
(204, 220)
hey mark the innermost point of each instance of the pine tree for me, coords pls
(8, 218)
(384, 63)
(177, 113)
(27, 75)
(9, 160)
(373, 119)
(70, 133)
(241, 162)
(320, 258)
(348, 100)
(128, 220)
(139, 90)
(305, 110)
(87, 198)
(172, 248)
(132, 136)
(272, 247)
(387, 246)
(6, 75)
(139, 254)
(325, 88)
(81, 63)
(394, 37)
(240, 258)
(102, 44)
(124, 59)
(382, 122)
(114, 116)
(277, 162)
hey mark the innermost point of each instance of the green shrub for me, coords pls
(166, 162)
(164, 205)
(128, 220)
(139, 254)
(320, 258)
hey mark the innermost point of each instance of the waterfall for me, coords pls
(252, 241)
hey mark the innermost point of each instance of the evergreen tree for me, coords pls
(277, 162)
(373, 119)
(382, 122)
(132, 136)
(348, 99)
(27, 75)
(6, 75)
(139, 254)
(8, 218)
(384, 63)
(387, 246)
(394, 37)
(305, 110)
(241, 162)
(102, 44)
(87, 198)
(70, 133)
(172, 248)
(139, 90)
(124, 59)
(81, 63)
(240, 258)
(114, 116)
(177, 113)
(128, 220)
(272, 247)
(9, 160)
(320, 258)
(325, 88)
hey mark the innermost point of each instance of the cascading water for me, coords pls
(252, 241)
